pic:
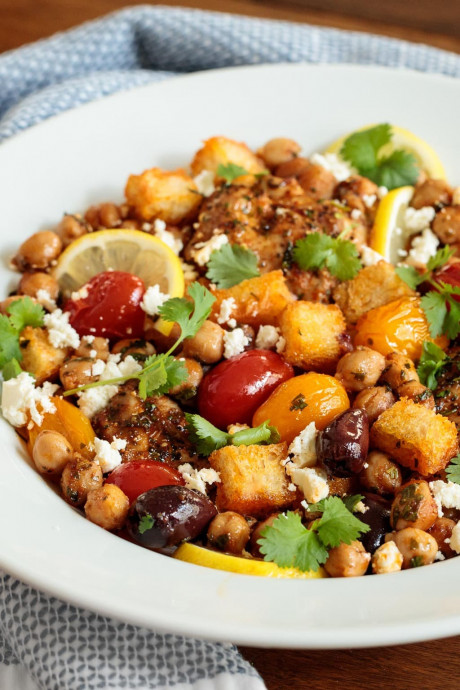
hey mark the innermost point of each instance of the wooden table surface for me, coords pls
(428, 666)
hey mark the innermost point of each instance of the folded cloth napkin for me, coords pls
(46, 643)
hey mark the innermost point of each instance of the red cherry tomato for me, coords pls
(138, 476)
(450, 273)
(234, 389)
(112, 307)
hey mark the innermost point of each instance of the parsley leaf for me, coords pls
(431, 363)
(361, 148)
(24, 312)
(453, 470)
(159, 379)
(145, 523)
(338, 525)
(410, 275)
(352, 501)
(9, 341)
(259, 434)
(231, 171)
(230, 265)
(398, 169)
(189, 315)
(208, 438)
(11, 369)
(318, 250)
(21, 313)
(441, 257)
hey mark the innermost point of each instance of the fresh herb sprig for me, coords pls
(432, 362)
(20, 313)
(317, 250)
(208, 438)
(162, 372)
(453, 470)
(230, 171)
(364, 151)
(288, 543)
(231, 264)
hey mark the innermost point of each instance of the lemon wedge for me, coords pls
(386, 236)
(427, 159)
(236, 564)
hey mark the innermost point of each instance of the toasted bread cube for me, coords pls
(313, 334)
(372, 287)
(222, 151)
(257, 300)
(253, 482)
(39, 357)
(171, 196)
(416, 437)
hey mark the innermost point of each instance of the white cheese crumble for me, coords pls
(92, 400)
(439, 556)
(356, 214)
(82, 293)
(311, 481)
(98, 367)
(369, 256)
(417, 219)
(455, 537)
(159, 230)
(280, 345)
(190, 274)
(267, 337)
(153, 299)
(224, 315)
(202, 251)
(88, 339)
(360, 507)
(446, 495)
(60, 332)
(108, 454)
(21, 399)
(197, 479)
(234, 342)
(382, 191)
(302, 451)
(369, 200)
(387, 558)
(335, 164)
(292, 487)
(424, 246)
(44, 298)
(93, 354)
(205, 182)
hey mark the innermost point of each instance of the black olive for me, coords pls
(343, 445)
(377, 516)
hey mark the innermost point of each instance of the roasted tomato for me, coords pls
(450, 273)
(138, 476)
(109, 306)
(234, 389)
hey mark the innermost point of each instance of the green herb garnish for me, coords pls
(21, 313)
(317, 250)
(231, 171)
(453, 470)
(145, 523)
(208, 438)
(231, 264)
(432, 362)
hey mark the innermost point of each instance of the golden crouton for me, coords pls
(39, 357)
(416, 437)
(313, 334)
(222, 151)
(170, 196)
(373, 287)
(257, 300)
(253, 482)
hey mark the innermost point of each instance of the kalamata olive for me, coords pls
(342, 446)
(167, 515)
(377, 516)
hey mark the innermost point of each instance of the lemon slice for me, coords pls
(386, 236)
(427, 159)
(235, 564)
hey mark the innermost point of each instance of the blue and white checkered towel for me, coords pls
(45, 643)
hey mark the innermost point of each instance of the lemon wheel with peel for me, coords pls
(387, 236)
(198, 555)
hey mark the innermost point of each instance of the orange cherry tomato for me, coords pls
(398, 326)
(303, 399)
(70, 422)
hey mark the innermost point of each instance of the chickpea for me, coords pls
(31, 283)
(360, 369)
(417, 392)
(399, 369)
(278, 151)
(109, 215)
(292, 168)
(318, 182)
(456, 196)
(207, 345)
(356, 186)
(188, 388)
(76, 372)
(79, 477)
(4, 304)
(442, 530)
(446, 224)
(374, 401)
(38, 251)
(347, 560)
(131, 224)
(381, 474)
(430, 193)
(107, 507)
(71, 228)
(413, 506)
(51, 452)
(139, 349)
(228, 531)
(416, 546)
(89, 344)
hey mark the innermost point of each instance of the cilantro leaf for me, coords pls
(259, 434)
(11, 369)
(338, 525)
(230, 265)
(410, 275)
(435, 308)
(343, 261)
(9, 341)
(352, 501)
(361, 148)
(318, 250)
(205, 435)
(441, 257)
(431, 363)
(189, 315)
(153, 378)
(396, 170)
(453, 470)
(24, 312)
(145, 523)
(311, 552)
(231, 171)
(281, 541)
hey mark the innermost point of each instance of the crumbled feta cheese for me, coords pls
(82, 293)
(202, 251)
(197, 479)
(44, 298)
(446, 495)
(335, 164)
(292, 487)
(455, 537)
(356, 214)
(360, 507)
(280, 211)
(88, 339)
(417, 219)
(439, 556)
(205, 182)
(60, 332)
(108, 454)
(159, 230)
(92, 400)
(280, 345)
(424, 246)
(234, 342)
(190, 274)
(369, 200)
(224, 315)
(128, 366)
(402, 253)
(387, 558)
(153, 299)
(267, 337)
(302, 451)
(98, 367)
(382, 191)
(369, 256)
(93, 354)
(21, 399)
(311, 481)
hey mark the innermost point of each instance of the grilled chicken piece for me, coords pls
(155, 428)
(447, 393)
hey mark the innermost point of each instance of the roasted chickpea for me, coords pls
(31, 283)
(446, 224)
(79, 477)
(417, 392)
(71, 228)
(442, 530)
(318, 182)
(292, 168)
(4, 304)
(380, 473)
(228, 531)
(90, 345)
(374, 401)
(278, 151)
(430, 193)
(207, 345)
(356, 185)
(107, 507)
(416, 546)
(139, 349)
(360, 369)
(257, 533)
(398, 370)
(456, 196)
(188, 388)
(413, 506)
(39, 251)
(105, 215)
(347, 560)
(76, 372)
(51, 452)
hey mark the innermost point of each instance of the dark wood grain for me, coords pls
(428, 666)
